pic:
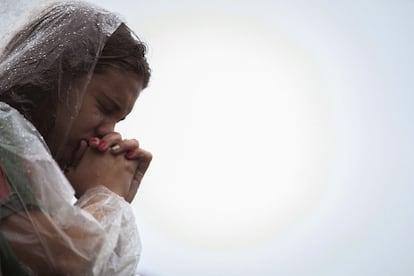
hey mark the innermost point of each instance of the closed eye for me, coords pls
(109, 111)
(104, 109)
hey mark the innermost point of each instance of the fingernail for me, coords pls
(94, 141)
(115, 147)
(130, 153)
(102, 144)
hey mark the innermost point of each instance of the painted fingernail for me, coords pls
(94, 141)
(130, 153)
(115, 147)
(102, 144)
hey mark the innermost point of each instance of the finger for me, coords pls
(94, 142)
(132, 190)
(135, 183)
(137, 153)
(78, 154)
(115, 148)
(109, 140)
(144, 160)
(125, 146)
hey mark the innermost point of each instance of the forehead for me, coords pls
(118, 85)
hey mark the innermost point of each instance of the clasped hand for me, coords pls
(117, 164)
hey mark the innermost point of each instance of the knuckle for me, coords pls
(113, 136)
(117, 136)
(134, 142)
(149, 156)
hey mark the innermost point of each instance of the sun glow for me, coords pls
(243, 131)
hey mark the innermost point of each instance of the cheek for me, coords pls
(86, 125)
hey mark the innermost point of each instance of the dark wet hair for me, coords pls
(123, 51)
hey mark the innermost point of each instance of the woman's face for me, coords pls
(109, 98)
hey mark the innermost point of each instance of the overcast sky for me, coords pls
(282, 134)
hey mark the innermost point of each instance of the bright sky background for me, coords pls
(282, 134)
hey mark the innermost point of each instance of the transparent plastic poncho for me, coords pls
(49, 233)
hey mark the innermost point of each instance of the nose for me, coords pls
(105, 128)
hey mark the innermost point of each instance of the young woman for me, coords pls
(66, 79)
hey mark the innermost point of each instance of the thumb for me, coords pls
(78, 154)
